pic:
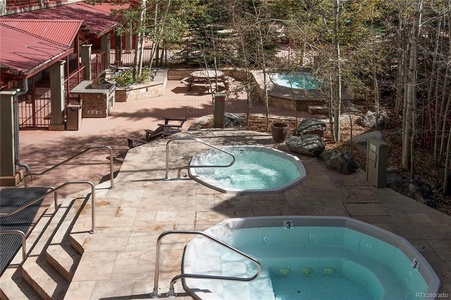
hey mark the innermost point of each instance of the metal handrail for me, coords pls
(195, 166)
(72, 157)
(171, 292)
(93, 198)
(23, 239)
(25, 166)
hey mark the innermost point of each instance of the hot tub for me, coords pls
(256, 169)
(308, 258)
(299, 80)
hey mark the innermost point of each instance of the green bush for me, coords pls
(125, 78)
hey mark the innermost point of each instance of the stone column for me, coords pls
(57, 121)
(8, 174)
(86, 60)
(106, 47)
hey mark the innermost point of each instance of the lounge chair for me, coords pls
(170, 126)
(150, 136)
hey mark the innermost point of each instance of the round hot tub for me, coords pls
(256, 169)
(307, 258)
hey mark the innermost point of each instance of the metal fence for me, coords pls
(127, 57)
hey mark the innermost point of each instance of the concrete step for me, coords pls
(64, 259)
(47, 282)
(12, 284)
(14, 287)
(59, 253)
(44, 279)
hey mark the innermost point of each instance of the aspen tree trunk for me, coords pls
(446, 89)
(265, 80)
(263, 61)
(156, 44)
(409, 129)
(401, 66)
(336, 96)
(447, 158)
(444, 113)
(137, 63)
(433, 89)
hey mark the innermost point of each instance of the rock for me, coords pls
(342, 162)
(369, 120)
(414, 189)
(307, 144)
(311, 126)
(360, 141)
(232, 120)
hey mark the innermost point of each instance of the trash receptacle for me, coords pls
(73, 116)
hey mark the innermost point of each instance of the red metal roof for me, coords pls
(28, 52)
(97, 21)
(57, 31)
(108, 7)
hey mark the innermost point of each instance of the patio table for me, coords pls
(206, 78)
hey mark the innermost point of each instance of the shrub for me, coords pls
(125, 78)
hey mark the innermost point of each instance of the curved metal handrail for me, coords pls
(195, 166)
(23, 239)
(72, 157)
(171, 291)
(93, 196)
(25, 166)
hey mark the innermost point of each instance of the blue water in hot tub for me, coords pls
(255, 168)
(300, 80)
(311, 262)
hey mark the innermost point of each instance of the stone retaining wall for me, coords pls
(144, 91)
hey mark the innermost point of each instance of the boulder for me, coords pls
(360, 141)
(411, 188)
(307, 144)
(342, 162)
(232, 120)
(311, 126)
(369, 120)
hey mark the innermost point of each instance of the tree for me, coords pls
(256, 47)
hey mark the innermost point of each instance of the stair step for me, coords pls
(14, 287)
(12, 284)
(59, 253)
(64, 259)
(36, 271)
(45, 280)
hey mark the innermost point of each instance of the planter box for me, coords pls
(143, 91)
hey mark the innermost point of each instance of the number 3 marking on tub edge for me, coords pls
(288, 224)
(415, 263)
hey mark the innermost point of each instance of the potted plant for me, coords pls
(279, 131)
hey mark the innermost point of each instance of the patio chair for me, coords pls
(150, 136)
(170, 126)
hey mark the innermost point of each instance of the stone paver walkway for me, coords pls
(118, 261)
